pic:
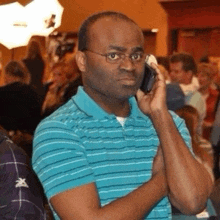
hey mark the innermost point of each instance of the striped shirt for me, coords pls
(80, 143)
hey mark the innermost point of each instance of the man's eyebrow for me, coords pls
(123, 49)
(138, 49)
(118, 48)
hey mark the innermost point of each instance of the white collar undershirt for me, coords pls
(121, 120)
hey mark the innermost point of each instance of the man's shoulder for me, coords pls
(64, 113)
(65, 117)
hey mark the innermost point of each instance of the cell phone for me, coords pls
(149, 79)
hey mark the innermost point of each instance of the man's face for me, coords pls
(113, 80)
(59, 76)
(204, 80)
(177, 74)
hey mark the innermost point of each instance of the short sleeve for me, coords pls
(59, 158)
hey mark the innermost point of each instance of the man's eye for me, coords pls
(113, 56)
(137, 56)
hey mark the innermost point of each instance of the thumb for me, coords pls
(140, 94)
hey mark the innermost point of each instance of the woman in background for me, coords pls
(206, 76)
(65, 80)
(201, 148)
(36, 65)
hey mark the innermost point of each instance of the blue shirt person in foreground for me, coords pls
(104, 155)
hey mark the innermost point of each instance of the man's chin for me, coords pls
(129, 91)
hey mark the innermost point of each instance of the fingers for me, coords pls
(159, 74)
(140, 94)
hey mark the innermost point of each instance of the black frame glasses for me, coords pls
(118, 57)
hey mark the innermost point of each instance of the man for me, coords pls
(182, 72)
(22, 196)
(94, 155)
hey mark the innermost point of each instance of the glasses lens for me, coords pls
(114, 57)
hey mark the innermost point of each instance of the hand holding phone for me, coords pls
(149, 74)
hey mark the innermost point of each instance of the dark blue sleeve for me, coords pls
(21, 195)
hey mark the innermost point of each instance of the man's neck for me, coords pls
(118, 107)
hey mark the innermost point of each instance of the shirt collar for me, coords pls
(91, 108)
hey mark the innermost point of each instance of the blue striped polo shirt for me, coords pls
(80, 143)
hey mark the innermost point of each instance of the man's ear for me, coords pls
(81, 61)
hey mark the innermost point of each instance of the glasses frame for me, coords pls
(122, 57)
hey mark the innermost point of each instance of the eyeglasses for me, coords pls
(118, 57)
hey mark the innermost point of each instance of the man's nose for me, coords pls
(127, 64)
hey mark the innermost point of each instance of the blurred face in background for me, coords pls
(179, 75)
(59, 76)
(204, 80)
(205, 75)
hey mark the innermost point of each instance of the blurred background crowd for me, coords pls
(36, 82)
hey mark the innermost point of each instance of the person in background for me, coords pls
(35, 64)
(203, 154)
(20, 104)
(104, 155)
(64, 84)
(205, 76)
(21, 194)
(183, 71)
(20, 110)
(215, 140)
(201, 148)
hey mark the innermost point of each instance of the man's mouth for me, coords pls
(128, 80)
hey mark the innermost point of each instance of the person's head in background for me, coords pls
(15, 71)
(182, 68)
(205, 76)
(191, 117)
(64, 72)
(34, 50)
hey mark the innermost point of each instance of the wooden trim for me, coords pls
(182, 4)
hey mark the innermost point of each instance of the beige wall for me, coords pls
(147, 13)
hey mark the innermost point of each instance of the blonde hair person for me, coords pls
(63, 73)
(206, 76)
(35, 63)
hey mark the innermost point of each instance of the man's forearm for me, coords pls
(83, 202)
(188, 180)
(138, 203)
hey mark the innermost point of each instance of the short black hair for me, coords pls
(84, 28)
(187, 60)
